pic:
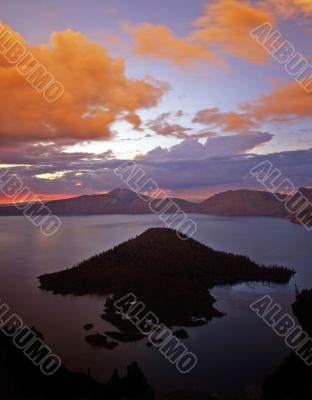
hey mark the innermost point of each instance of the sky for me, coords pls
(179, 86)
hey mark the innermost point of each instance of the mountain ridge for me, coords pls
(241, 202)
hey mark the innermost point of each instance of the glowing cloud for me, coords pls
(226, 121)
(97, 91)
(223, 27)
(288, 102)
(227, 24)
(288, 8)
(160, 42)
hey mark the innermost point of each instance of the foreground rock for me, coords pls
(88, 327)
(100, 341)
(22, 380)
(181, 334)
(292, 380)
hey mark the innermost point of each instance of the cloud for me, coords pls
(161, 126)
(227, 24)
(47, 169)
(218, 146)
(51, 154)
(226, 121)
(134, 120)
(290, 101)
(97, 91)
(188, 168)
(224, 27)
(165, 125)
(288, 8)
(161, 43)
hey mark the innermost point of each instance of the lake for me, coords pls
(234, 352)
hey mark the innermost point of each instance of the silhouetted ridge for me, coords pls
(123, 201)
(122, 193)
(243, 202)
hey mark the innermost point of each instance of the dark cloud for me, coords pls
(189, 166)
(214, 146)
(45, 153)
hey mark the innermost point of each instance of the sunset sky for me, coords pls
(178, 85)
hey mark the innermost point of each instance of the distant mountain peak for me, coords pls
(121, 192)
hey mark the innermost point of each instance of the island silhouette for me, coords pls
(171, 276)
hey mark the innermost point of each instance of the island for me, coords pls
(171, 276)
(100, 341)
(88, 327)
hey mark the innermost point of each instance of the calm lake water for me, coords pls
(235, 351)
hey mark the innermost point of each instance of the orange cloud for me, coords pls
(97, 91)
(165, 125)
(227, 24)
(224, 26)
(289, 101)
(160, 42)
(227, 121)
(134, 120)
(288, 8)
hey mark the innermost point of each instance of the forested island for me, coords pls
(169, 275)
